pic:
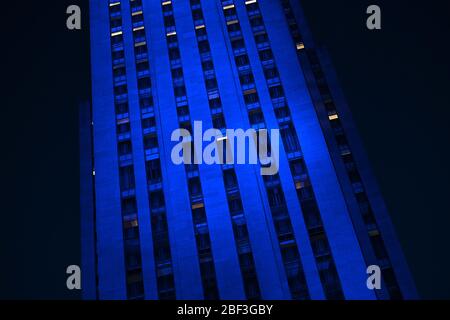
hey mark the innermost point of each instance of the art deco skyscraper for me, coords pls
(158, 230)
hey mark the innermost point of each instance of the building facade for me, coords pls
(158, 230)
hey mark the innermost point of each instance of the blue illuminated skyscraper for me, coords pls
(158, 230)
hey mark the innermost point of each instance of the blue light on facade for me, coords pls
(167, 231)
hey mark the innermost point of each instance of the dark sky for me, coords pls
(396, 82)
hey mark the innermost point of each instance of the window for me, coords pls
(121, 108)
(256, 22)
(265, 54)
(282, 112)
(153, 169)
(203, 46)
(276, 92)
(122, 89)
(298, 167)
(144, 83)
(211, 84)
(235, 205)
(137, 17)
(169, 21)
(140, 49)
(183, 111)
(120, 71)
(197, 14)
(251, 98)
(289, 138)
(230, 179)
(116, 22)
(123, 128)
(271, 73)
(261, 38)
(180, 91)
(194, 187)
(117, 39)
(124, 148)
(156, 199)
(199, 215)
(118, 54)
(126, 175)
(290, 254)
(246, 78)
(146, 102)
(240, 232)
(129, 206)
(131, 229)
(142, 66)
(319, 244)
(150, 141)
(378, 246)
(256, 117)
(215, 103)
(276, 197)
(219, 122)
(165, 283)
(177, 73)
(133, 255)
(237, 44)
(174, 53)
(148, 123)
(207, 65)
(242, 60)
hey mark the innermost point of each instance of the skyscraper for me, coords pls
(160, 230)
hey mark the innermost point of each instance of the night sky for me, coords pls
(396, 81)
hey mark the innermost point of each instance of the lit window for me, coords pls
(300, 46)
(171, 33)
(118, 33)
(165, 3)
(232, 22)
(333, 117)
(197, 205)
(138, 44)
(250, 1)
(228, 7)
(250, 91)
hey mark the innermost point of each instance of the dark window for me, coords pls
(122, 89)
(126, 177)
(276, 92)
(289, 138)
(146, 102)
(124, 148)
(242, 60)
(194, 187)
(129, 206)
(153, 169)
(121, 108)
(265, 54)
(219, 122)
(298, 167)
(230, 179)
(150, 141)
(148, 123)
(123, 128)
(246, 78)
(144, 83)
